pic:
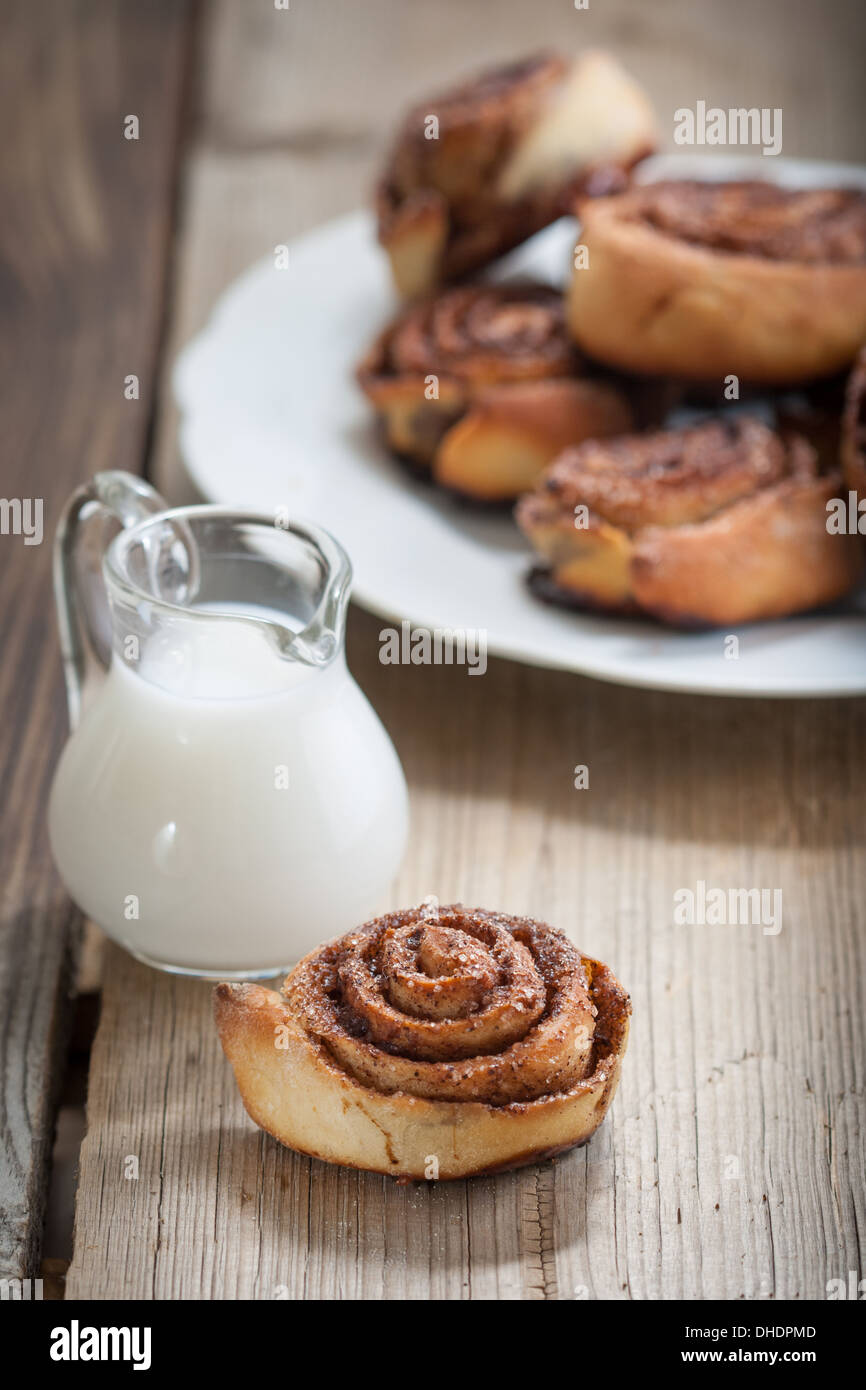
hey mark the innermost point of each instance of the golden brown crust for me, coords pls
(854, 429)
(717, 524)
(337, 1068)
(704, 281)
(482, 385)
(481, 167)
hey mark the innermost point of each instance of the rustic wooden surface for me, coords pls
(84, 228)
(732, 1162)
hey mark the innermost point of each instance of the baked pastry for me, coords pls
(705, 280)
(425, 1047)
(854, 430)
(482, 386)
(481, 167)
(721, 523)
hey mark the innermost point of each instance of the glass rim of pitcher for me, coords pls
(310, 643)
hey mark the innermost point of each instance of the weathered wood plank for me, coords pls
(731, 1164)
(83, 243)
(315, 76)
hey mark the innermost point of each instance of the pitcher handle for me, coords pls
(85, 653)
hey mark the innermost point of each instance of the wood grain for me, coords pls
(731, 1163)
(83, 243)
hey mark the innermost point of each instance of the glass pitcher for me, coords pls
(228, 798)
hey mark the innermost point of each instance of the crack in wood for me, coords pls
(538, 1239)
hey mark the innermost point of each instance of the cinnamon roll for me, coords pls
(479, 168)
(705, 280)
(482, 387)
(854, 430)
(720, 523)
(440, 1047)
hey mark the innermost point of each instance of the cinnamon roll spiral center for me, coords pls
(474, 1006)
(437, 971)
(486, 332)
(439, 991)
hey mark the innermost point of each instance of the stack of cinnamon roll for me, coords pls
(680, 292)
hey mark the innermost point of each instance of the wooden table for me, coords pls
(732, 1162)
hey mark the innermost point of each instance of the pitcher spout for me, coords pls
(323, 637)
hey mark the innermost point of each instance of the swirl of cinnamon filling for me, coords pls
(747, 217)
(673, 477)
(482, 384)
(472, 1006)
(482, 334)
(721, 522)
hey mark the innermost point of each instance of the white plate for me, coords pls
(271, 417)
